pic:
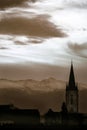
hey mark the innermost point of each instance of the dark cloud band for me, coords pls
(11, 3)
(37, 26)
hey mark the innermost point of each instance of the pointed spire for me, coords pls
(71, 77)
(71, 84)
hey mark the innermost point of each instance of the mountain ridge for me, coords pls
(48, 83)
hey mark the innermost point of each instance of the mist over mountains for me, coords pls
(45, 94)
(30, 85)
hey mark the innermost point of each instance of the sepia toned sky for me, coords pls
(39, 38)
(38, 41)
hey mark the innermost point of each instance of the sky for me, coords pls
(38, 41)
(39, 38)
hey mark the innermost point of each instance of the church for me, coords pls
(71, 97)
(72, 93)
(69, 114)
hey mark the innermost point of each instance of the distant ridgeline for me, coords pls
(11, 116)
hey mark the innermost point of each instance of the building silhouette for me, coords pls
(68, 117)
(12, 116)
(72, 93)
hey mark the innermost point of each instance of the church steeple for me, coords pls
(72, 93)
(71, 77)
(71, 83)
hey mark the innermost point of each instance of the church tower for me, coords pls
(72, 93)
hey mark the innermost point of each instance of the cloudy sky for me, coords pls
(38, 40)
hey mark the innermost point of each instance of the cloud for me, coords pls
(79, 49)
(22, 40)
(11, 3)
(38, 26)
(19, 43)
(2, 48)
(77, 3)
